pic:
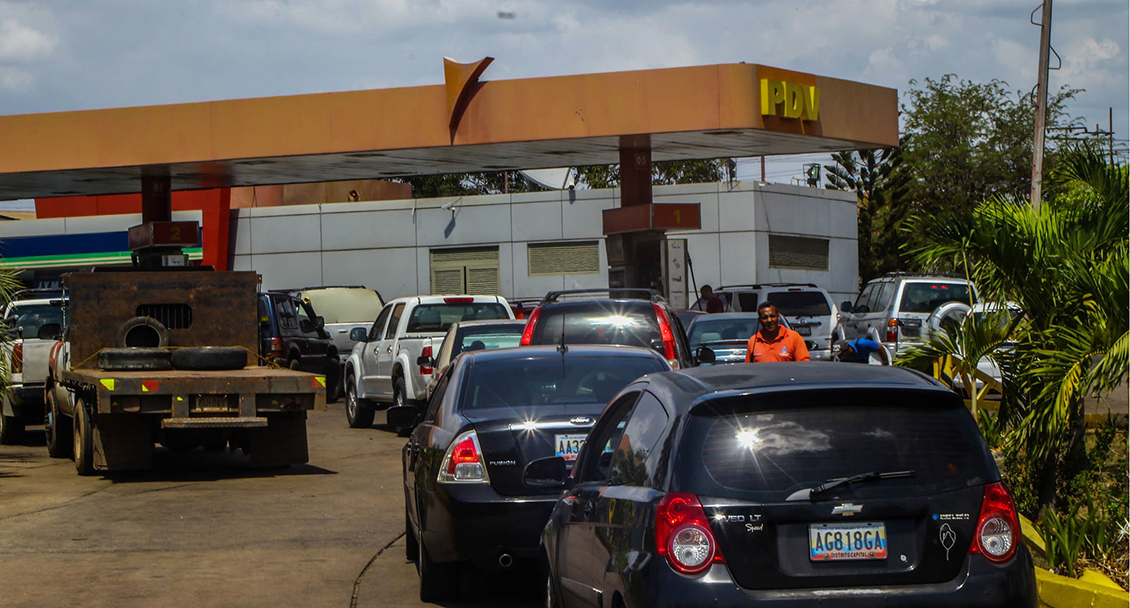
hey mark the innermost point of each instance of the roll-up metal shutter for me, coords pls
(581, 257)
(798, 252)
(472, 271)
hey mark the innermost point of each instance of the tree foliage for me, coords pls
(1067, 267)
(469, 184)
(967, 142)
(663, 173)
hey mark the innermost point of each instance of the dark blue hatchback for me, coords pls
(784, 484)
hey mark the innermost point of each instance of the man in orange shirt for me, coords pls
(773, 342)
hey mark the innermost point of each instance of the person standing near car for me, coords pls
(772, 342)
(859, 351)
(709, 302)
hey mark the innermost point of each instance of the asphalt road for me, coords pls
(207, 529)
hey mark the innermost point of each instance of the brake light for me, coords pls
(998, 527)
(666, 334)
(276, 347)
(18, 358)
(463, 461)
(528, 333)
(683, 536)
(460, 300)
(892, 330)
(426, 369)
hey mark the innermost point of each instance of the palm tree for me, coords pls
(880, 189)
(1067, 266)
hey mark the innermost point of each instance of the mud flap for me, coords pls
(123, 442)
(283, 442)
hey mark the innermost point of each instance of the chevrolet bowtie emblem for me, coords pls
(847, 509)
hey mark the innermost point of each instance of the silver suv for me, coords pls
(900, 309)
(809, 309)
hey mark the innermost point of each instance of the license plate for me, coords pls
(569, 445)
(841, 542)
(803, 330)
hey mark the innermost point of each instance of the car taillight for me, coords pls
(998, 527)
(276, 347)
(18, 359)
(426, 369)
(666, 334)
(461, 300)
(463, 462)
(528, 333)
(892, 330)
(683, 536)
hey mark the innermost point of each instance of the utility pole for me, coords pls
(1041, 104)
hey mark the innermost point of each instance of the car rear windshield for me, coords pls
(601, 322)
(800, 303)
(925, 297)
(765, 447)
(345, 304)
(552, 380)
(28, 318)
(439, 317)
(713, 329)
(488, 338)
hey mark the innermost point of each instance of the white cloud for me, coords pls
(20, 43)
(15, 80)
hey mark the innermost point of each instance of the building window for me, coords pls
(798, 252)
(548, 259)
(473, 271)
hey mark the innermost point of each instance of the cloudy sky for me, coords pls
(58, 55)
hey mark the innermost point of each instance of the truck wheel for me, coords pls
(134, 359)
(11, 430)
(437, 581)
(59, 442)
(209, 358)
(333, 384)
(83, 439)
(143, 332)
(358, 412)
(398, 392)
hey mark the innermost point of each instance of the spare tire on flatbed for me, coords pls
(134, 359)
(210, 358)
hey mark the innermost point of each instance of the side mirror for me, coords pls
(545, 473)
(403, 416)
(704, 354)
(319, 322)
(50, 331)
(306, 326)
(358, 334)
(426, 361)
(845, 306)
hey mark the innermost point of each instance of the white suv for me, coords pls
(808, 308)
(903, 308)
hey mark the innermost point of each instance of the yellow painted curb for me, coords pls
(1062, 592)
(1098, 578)
(1032, 538)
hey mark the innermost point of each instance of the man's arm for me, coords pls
(800, 353)
(749, 349)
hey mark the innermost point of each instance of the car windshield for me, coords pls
(488, 338)
(439, 317)
(345, 305)
(518, 383)
(765, 447)
(603, 322)
(28, 318)
(926, 297)
(710, 329)
(800, 303)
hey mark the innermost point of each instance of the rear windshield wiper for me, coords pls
(831, 484)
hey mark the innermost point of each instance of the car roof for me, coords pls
(685, 388)
(592, 303)
(575, 350)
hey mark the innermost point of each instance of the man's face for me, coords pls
(769, 319)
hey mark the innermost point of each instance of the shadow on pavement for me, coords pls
(203, 465)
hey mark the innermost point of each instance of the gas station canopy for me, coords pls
(465, 125)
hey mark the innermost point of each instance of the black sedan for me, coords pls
(492, 412)
(784, 484)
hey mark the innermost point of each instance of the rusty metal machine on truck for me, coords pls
(164, 355)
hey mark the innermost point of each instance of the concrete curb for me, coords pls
(1062, 592)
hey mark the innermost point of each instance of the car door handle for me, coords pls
(388, 350)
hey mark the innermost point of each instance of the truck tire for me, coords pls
(83, 439)
(399, 394)
(333, 384)
(358, 412)
(59, 441)
(11, 430)
(134, 359)
(209, 358)
(144, 332)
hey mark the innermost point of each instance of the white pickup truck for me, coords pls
(34, 321)
(391, 362)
